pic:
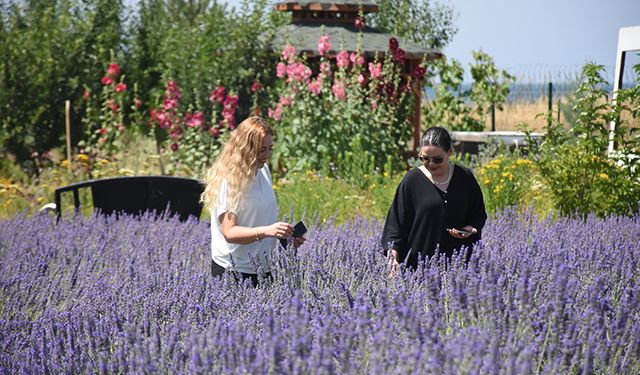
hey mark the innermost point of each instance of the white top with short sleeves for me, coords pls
(258, 207)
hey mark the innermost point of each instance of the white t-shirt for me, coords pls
(258, 207)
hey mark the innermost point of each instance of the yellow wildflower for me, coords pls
(84, 158)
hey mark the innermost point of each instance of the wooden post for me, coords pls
(415, 119)
(67, 105)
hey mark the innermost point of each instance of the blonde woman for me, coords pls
(240, 197)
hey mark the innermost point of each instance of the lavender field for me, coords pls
(90, 295)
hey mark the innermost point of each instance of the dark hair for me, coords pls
(436, 136)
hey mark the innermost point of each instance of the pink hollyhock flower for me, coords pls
(169, 104)
(164, 121)
(323, 45)
(196, 120)
(172, 87)
(281, 69)
(256, 86)
(356, 58)
(86, 94)
(106, 80)
(175, 132)
(338, 90)
(374, 104)
(231, 103)
(360, 23)
(214, 131)
(325, 68)
(315, 86)
(137, 102)
(361, 79)
(289, 53)
(342, 59)
(375, 70)
(285, 101)
(228, 118)
(102, 140)
(217, 95)
(275, 114)
(121, 87)
(121, 128)
(298, 72)
(113, 70)
(113, 105)
(174, 147)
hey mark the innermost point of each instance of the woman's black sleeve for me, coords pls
(477, 214)
(395, 223)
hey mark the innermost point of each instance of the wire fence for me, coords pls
(540, 90)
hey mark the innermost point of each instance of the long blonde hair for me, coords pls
(237, 162)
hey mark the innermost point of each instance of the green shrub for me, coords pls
(321, 107)
(573, 160)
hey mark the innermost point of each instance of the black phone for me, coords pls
(298, 231)
(461, 231)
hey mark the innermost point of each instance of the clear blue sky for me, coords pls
(539, 39)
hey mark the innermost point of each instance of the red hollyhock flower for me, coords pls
(174, 147)
(106, 80)
(398, 55)
(393, 44)
(121, 87)
(418, 72)
(113, 70)
(256, 86)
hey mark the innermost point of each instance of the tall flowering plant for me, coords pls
(325, 106)
(106, 115)
(186, 137)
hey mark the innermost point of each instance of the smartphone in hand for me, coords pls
(298, 231)
(461, 231)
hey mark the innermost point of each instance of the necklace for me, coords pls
(445, 181)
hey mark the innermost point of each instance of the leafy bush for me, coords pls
(506, 181)
(465, 110)
(323, 107)
(91, 295)
(573, 160)
(48, 51)
(339, 200)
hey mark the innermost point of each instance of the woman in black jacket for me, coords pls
(437, 207)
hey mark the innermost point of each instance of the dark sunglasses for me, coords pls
(435, 160)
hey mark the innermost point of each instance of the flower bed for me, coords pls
(91, 295)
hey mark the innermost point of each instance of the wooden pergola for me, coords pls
(337, 19)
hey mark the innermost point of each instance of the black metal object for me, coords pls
(137, 195)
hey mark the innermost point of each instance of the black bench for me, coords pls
(137, 195)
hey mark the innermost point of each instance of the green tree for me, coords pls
(429, 23)
(46, 59)
(465, 110)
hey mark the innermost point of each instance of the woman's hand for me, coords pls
(393, 264)
(297, 242)
(279, 230)
(461, 236)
